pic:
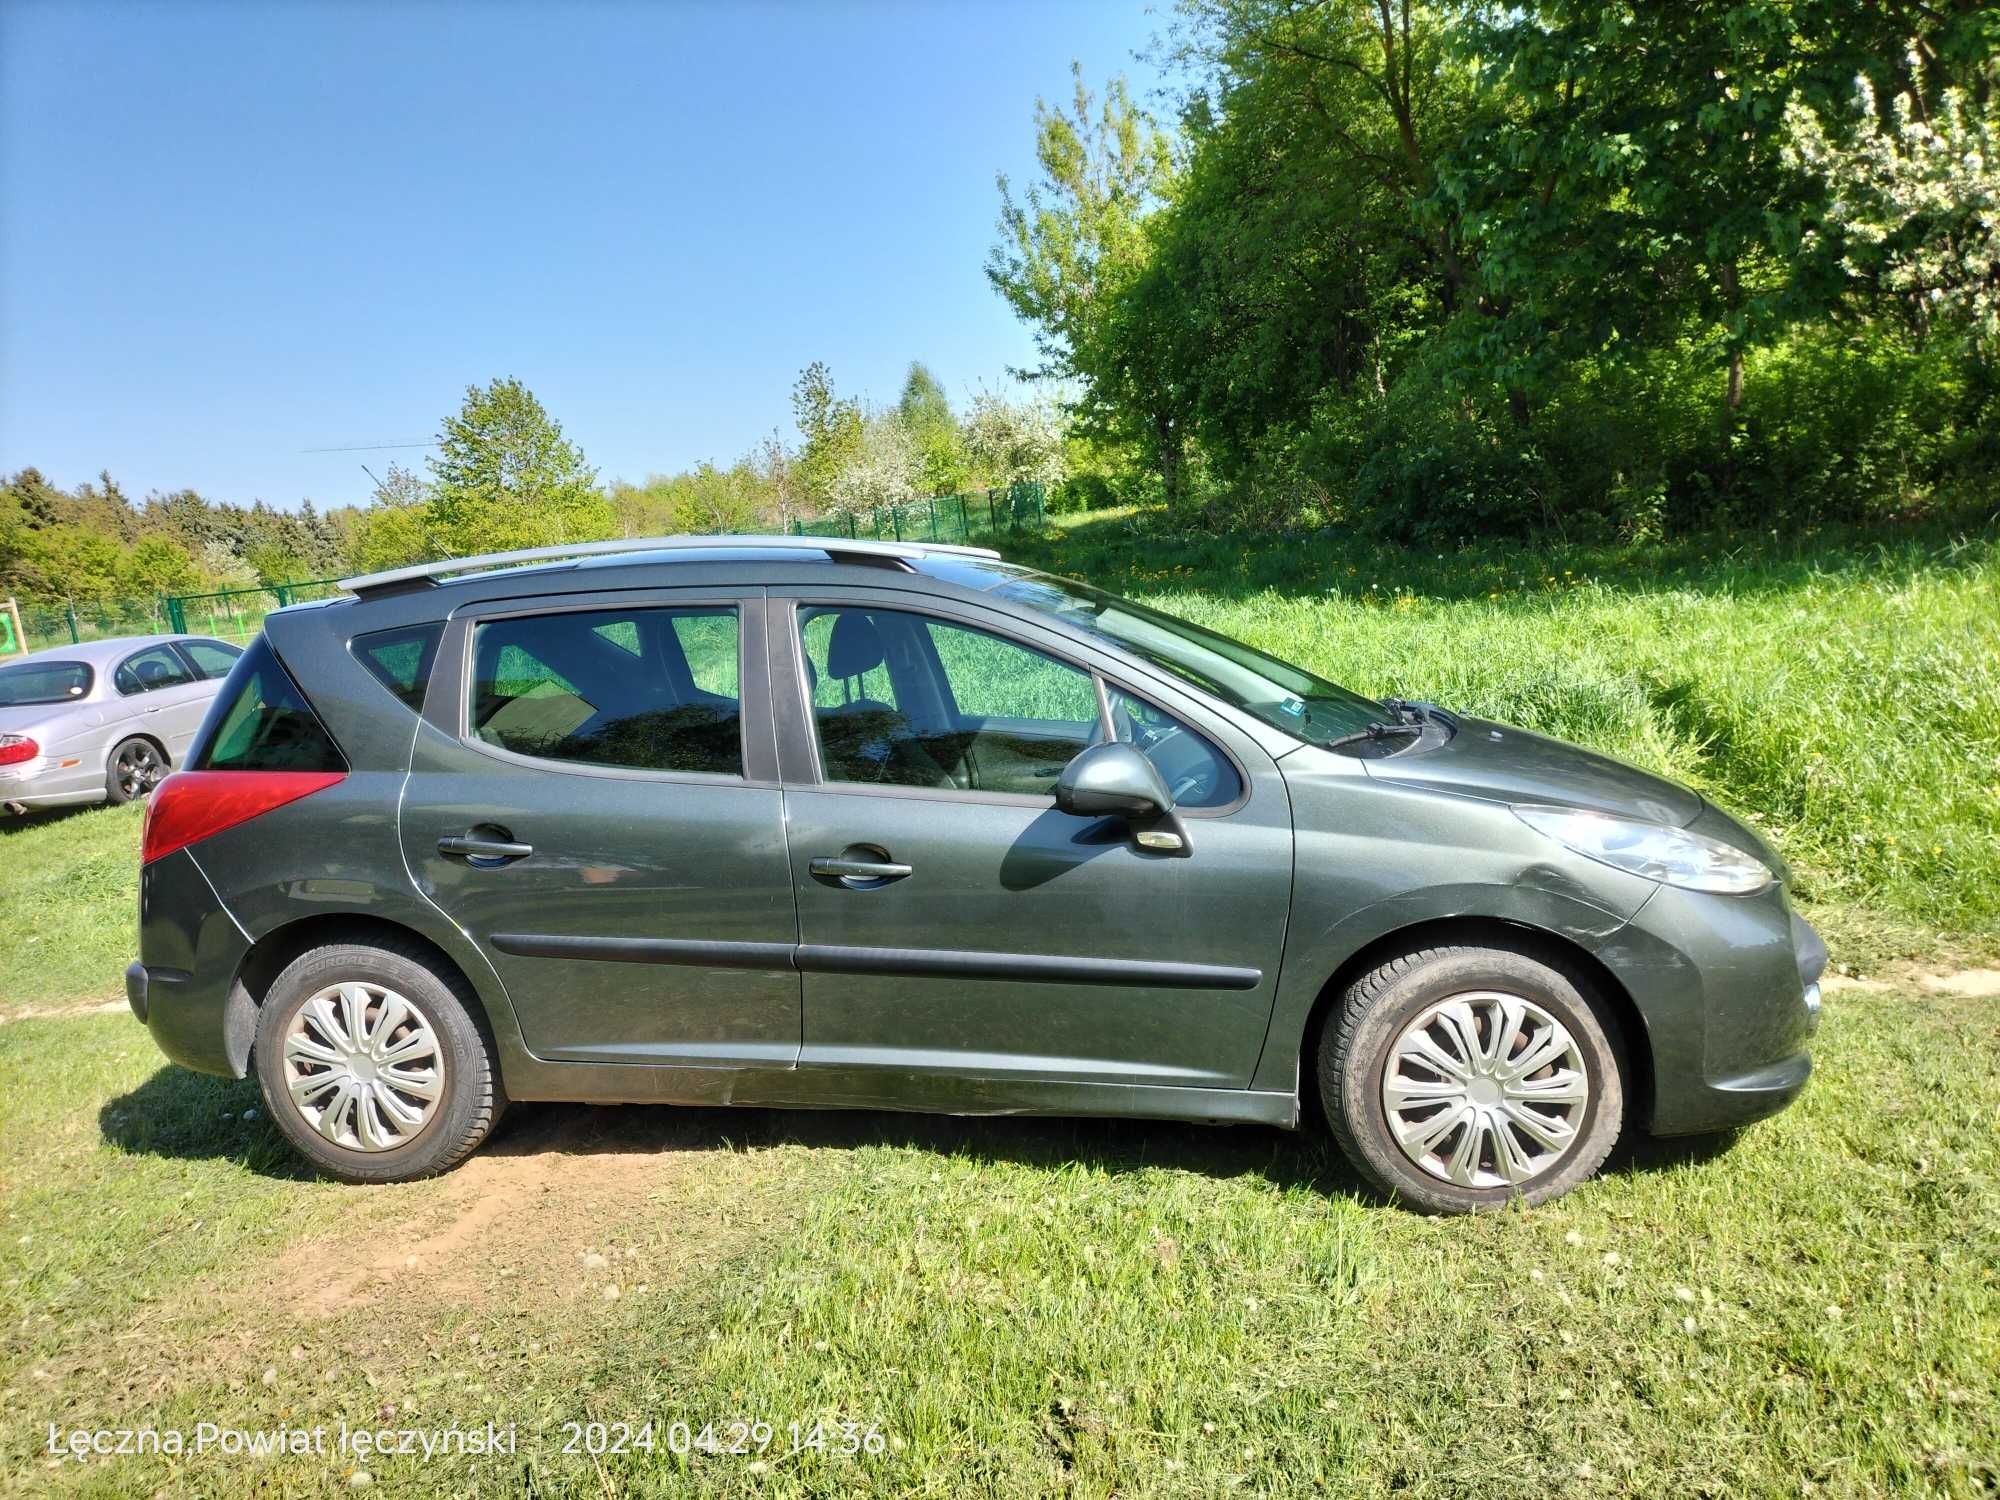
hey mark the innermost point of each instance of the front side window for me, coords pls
(262, 722)
(43, 682)
(1290, 698)
(647, 689)
(150, 670)
(906, 700)
(1198, 774)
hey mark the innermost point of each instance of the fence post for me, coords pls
(896, 521)
(992, 515)
(176, 616)
(931, 506)
(69, 616)
(283, 592)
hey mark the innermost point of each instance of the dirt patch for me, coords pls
(560, 1200)
(70, 1008)
(1978, 984)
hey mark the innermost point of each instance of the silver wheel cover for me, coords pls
(1485, 1090)
(364, 1066)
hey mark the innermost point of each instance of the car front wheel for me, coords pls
(1461, 1078)
(372, 1065)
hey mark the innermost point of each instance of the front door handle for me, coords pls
(494, 849)
(845, 869)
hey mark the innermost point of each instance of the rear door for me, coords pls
(166, 696)
(593, 798)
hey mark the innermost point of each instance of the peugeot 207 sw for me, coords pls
(822, 823)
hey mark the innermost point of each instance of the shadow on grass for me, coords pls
(192, 1116)
(41, 817)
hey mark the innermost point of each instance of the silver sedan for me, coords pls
(106, 720)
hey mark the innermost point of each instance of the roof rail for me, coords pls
(833, 546)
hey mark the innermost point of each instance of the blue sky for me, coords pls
(231, 233)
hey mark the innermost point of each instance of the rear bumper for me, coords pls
(190, 950)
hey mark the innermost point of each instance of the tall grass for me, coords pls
(1844, 694)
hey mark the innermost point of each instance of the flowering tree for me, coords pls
(1914, 206)
(883, 467)
(1011, 442)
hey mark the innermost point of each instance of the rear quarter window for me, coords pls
(401, 659)
(260, 721)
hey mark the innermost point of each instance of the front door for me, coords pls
(593, 798)
(953, 920)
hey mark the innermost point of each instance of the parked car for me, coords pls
(106, 720)
(819, 823)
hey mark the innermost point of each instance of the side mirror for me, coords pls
(1114, 780)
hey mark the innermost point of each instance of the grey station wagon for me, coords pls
(822, 823)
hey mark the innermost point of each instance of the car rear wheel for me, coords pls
(137, 766)
(373, 1065)
(1462, 1078)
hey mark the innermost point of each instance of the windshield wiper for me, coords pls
(1376, 732)
(1407, 711)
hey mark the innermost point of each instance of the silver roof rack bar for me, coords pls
(833, 546)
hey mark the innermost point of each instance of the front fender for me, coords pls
(1314, 957)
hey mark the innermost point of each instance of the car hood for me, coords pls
(1505, 764)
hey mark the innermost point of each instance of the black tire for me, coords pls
(471, 1098)
(1359, 1039)
(137, 765)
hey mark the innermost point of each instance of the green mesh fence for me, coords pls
(946, 518)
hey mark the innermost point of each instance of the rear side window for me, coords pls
(649, 689)
(211, 658)
(401, 659)
(43, 682)
(262, 722)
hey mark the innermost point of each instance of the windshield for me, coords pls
(1284, 696)
(43, 682)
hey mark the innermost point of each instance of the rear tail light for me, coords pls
(190, 806)
(15, 748)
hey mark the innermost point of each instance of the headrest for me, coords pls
(856, 646)
(154, 671)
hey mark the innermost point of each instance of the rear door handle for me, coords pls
(469, 848)
(858, 869)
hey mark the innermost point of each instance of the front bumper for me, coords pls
(1728, 990)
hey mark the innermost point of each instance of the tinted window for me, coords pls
(401, 659)
(906, 700)
(43, 682)
(653, 689)
(1198, 774)
(262, 722)
(150, 670)
(211, 658)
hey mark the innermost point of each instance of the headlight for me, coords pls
(1673, 856)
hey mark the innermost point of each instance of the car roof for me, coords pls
(104, 653)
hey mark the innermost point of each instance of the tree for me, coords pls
(926, 415)
(830, 427)
(1913, 211)
(158, 565)
(1072, 243)
(395, 530)
(504, 476)
(1014, 442)
(884, 468)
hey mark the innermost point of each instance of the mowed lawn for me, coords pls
(1022, 1307)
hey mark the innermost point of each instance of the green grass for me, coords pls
(69, 905)
(1023, 1307)
(1844, 695)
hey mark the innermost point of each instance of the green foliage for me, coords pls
(1568, 267)
(504, 476)
(830, 428)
